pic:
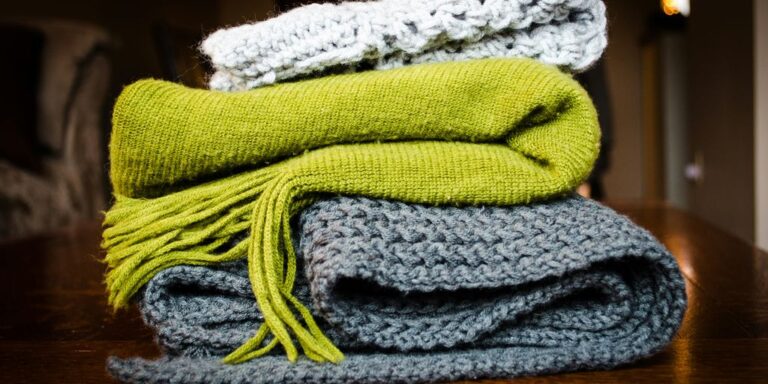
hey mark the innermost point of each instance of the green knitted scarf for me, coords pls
(193, 170)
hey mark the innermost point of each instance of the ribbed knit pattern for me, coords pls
(497, 132)
(425, 294)
(318, 38)
(166, 135)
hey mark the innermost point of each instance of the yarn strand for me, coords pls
(475, 145)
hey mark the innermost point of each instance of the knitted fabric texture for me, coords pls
(316, 38)
(496, 131)
(425, 294)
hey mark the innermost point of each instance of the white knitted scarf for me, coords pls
(319, 38)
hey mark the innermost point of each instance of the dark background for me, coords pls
(694, 77)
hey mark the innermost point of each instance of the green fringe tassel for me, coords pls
(146, 236)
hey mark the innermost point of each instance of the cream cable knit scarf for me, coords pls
(318, 38)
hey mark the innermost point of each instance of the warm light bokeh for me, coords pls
(673, 7)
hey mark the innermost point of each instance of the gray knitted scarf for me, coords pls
(318, 38)
(424, 294)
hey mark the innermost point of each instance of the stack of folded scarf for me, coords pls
(365, 223)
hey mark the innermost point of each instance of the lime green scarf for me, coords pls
(193, 169)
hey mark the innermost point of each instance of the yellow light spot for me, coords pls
(673, 7)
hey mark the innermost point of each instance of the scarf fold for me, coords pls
(424, 294)
(194, 170)
(318, 38)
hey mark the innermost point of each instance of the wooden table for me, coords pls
(56, 327)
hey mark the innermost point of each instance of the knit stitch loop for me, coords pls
(423, 294)
(520, 131)
(314, 39)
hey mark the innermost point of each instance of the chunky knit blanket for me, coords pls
(193, 170)
(424, 294)
(315, 39)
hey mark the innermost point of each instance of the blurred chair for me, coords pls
(52, 128)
